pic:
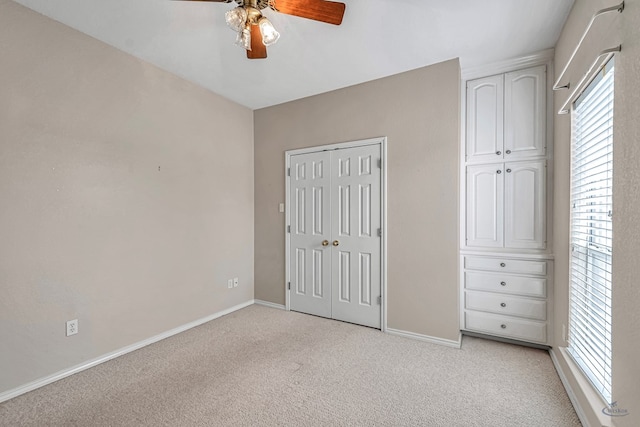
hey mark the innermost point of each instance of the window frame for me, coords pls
(591, 242)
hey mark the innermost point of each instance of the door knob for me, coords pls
(325, 243)
(336, 243)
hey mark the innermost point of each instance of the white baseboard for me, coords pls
(567, 386)
(426, 338)
(269, 304)
(10, 394)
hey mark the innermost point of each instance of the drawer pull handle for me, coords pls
(502, 264)
(503, 304)
(503, 326)
(503, 283)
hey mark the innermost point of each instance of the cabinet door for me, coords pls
(525, 113)
(525, 206)
(485, 119)
(485, 201)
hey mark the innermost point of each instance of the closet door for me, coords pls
(356, 252)
(310, 251)
(524, 111)
(525, 207)
(485, 119)
(335, 245)
(485, 205)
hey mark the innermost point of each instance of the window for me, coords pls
(591, 231)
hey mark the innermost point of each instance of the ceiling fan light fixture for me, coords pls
(244, 38)
(255, 32)
(269, 34)
(236, 18)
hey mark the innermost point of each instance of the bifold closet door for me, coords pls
(355, 219)
(310, 249)
(335, 253)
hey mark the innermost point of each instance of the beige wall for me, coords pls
(90, 228)
(607, 32)
(419, 113)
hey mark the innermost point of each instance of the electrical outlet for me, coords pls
(235, 282)
(72, 327)
(230, 283)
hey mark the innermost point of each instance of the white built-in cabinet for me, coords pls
(505, 259)
(506, 116)
(525, 204)
(506, 205)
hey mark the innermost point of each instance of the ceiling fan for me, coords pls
(255, 31)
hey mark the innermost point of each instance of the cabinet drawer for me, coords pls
(506, 304)
(506, 283)
(505, 326)
(506, 265)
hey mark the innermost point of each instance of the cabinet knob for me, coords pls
(508, 170)
(508, 151)
(503, 326)
(502, 304)
(498, 153)
(503, 283)
(498, 172)
(325, 243)
(502, 264)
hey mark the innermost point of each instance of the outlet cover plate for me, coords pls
(72, 327)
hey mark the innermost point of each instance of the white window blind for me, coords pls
(591, 231)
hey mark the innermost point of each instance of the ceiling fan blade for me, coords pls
(258, 49)
(319, 10)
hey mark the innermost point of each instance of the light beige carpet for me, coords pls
(267, 367)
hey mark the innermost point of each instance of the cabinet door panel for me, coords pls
(485, 118)
(525, 113)
(485, 200)
(525, 206)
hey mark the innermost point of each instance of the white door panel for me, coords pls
(485, 118)
(335, 196)
(310, 225)
(485, 205)
(525, 207)
(356, 258)
(525, 106)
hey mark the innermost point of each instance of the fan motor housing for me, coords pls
(260, 4)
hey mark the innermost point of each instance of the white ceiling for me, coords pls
(377, 38)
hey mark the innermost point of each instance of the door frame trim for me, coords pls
(382, 142)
